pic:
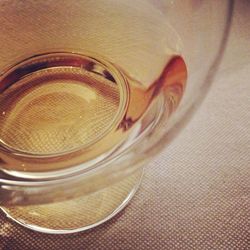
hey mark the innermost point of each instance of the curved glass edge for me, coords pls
(134, 157)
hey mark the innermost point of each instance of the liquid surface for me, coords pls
(69, 103)
(61, 103)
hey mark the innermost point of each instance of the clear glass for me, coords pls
(90, 91)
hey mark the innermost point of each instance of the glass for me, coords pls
(90, 91)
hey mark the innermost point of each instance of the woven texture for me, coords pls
(196, 193)
(36, 106)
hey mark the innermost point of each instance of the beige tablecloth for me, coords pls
(196, 193)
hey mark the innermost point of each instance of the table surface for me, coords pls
(196, 193)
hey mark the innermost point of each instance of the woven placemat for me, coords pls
(196, 193)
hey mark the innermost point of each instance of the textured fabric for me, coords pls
(196, 193)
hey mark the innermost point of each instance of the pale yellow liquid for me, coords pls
(70, 108)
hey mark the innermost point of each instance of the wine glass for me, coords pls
(90, 91)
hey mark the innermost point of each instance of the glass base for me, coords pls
(78, 214)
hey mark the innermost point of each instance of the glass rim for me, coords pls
(177, 124)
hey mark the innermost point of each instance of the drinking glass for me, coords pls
(90, 91)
